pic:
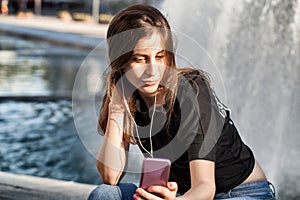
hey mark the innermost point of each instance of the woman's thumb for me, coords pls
(172, 185)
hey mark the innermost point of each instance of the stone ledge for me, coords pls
(64, 39)
(73, 34)
(15, 187)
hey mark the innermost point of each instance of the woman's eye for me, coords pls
(159, 57)
(140, 59)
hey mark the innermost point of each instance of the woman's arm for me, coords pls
(112, 156)
(202, 180)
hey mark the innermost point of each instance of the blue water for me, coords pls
(37, 68)
(37, 135)
(39, 138)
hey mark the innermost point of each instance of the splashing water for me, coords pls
(255, 44)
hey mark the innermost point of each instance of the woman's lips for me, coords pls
(150, 82)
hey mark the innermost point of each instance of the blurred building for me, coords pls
(51, 7)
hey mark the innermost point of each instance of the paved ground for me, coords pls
(16, 187)
(80, 34)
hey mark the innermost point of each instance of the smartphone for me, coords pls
(155, 171)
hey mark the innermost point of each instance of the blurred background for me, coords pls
(78, 10)
(250, 48)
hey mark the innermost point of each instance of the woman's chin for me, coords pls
(148, 89)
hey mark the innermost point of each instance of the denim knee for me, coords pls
(127, 190)
(123, 191)
(105, 191)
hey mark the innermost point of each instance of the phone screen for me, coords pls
(155, 171)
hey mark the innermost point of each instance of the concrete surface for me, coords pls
(69, 33)
(21, 187)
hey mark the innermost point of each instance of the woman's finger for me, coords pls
(137, 197)
(143, 194)
(172, 186)
(162, 191)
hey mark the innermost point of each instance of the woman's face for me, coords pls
(147, 64)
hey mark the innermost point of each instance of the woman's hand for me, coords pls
(117, 102)
(157, 192)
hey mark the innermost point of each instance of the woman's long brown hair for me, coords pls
(132, 24)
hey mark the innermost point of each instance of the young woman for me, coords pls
(168, 112)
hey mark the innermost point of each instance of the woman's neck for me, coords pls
(149, 99)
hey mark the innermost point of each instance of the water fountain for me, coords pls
(255, 45)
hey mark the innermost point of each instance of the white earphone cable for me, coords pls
(136, 126)
(151, 125)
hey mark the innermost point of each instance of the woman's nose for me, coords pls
(151, 67)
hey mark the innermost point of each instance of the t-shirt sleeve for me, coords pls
(211, 120)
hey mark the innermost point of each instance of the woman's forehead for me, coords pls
(153, 42)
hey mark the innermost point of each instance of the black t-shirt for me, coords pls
(200, 128)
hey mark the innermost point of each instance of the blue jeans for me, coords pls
(254, 190)
(123, 191)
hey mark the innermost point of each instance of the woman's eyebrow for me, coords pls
(162, 51)
(139, 54)
(145, 54)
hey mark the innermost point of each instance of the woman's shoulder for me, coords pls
(194, 74)
(196, 77)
